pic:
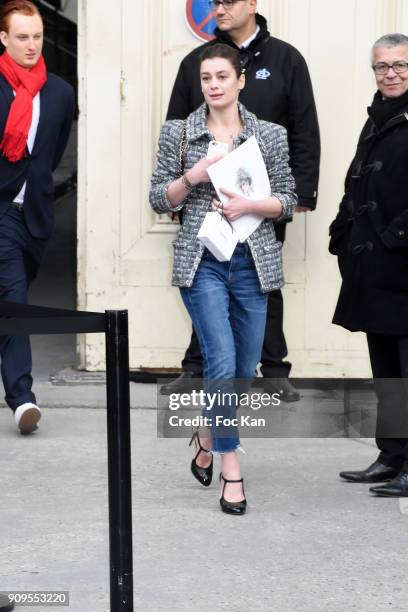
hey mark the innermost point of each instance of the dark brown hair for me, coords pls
(25, 7)
(224, 51)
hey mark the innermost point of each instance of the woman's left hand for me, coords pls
(236, 206)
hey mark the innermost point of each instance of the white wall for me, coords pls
(128, 59)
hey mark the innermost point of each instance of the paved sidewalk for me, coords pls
(308, 543)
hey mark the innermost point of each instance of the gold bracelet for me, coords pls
(186, 183)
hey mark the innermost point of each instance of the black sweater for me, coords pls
(278, 89)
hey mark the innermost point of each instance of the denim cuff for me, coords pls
(236, 447)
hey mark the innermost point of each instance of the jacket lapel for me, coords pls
(8, 93)
(7, 90)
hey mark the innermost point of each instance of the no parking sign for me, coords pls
(200, 19)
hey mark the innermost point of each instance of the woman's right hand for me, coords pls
(177, 190)
(198, 173)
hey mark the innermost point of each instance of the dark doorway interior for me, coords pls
(56, 283)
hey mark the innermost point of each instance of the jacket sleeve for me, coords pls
(167, 167)
(279, 173)
(65, 127)
(304, 138)
(179, 106)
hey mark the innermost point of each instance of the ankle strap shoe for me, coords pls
(203, 474)
(235, 508)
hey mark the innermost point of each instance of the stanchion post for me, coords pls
(119, 461)
(346, 407)
(5, 605)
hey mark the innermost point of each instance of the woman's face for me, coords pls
(245, 186)
(219, 82)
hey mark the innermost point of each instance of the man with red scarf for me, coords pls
(36, 112)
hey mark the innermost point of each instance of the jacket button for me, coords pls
(357, 248)
(401, 234)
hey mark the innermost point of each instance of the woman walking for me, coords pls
(226, 300)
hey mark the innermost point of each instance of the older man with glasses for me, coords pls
(278, 89)
(370, 238)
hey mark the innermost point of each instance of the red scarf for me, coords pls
(26, 84)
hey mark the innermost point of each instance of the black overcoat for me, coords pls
(370, 232)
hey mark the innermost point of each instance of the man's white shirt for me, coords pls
(30, 139)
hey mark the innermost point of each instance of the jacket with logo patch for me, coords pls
(278, 89)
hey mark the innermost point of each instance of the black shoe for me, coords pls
(287, 392)
(397, 487)
(203, 475)
(376, 472)
(182, 384)
(236, 508)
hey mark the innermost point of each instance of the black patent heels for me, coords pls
(235, 508)
(203, 475)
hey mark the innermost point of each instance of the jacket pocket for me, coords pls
(273, 247)
(180, 262)
(272, 261)
(338, 231)
(395, 236)
(179, 243)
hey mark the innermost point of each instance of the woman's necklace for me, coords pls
(230, 132)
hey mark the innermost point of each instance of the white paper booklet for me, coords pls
(242, 171)
(218, 236)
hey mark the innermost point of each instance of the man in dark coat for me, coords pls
(370, 238)
(36, 111)
(278, 89)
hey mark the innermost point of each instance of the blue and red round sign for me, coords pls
(200, 19)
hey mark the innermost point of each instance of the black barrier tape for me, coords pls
(23, 319)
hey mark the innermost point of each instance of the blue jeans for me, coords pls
(20, 257)
(228, 312)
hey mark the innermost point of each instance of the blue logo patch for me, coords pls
(262, 74)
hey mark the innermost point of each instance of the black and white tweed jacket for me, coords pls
(188, 250)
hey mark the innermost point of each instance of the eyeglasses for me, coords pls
(383, 68)
(226, 4)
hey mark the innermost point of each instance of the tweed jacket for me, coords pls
(188, 250)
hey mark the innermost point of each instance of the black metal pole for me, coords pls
(5, 605)
(346, 402)
(119, 461)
